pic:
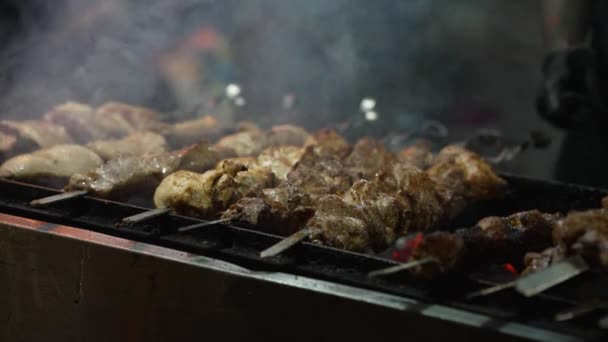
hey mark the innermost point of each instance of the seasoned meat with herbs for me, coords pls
(367, 157)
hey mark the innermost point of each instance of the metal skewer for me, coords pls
(492, 284)
(401, 267)
(491, 289)
(146, 215)
(553, 275)
(58, 198)
(203, 224)
(580, 310)
(286, 243)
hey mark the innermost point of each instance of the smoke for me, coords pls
(91, 51)
(416, 57)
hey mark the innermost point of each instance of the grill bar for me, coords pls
(243, 247)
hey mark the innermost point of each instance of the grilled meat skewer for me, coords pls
(580, 232)
(124, 176)
(492, 240)
(370, 214)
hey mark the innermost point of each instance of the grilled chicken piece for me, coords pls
(244, 144)
(287, 135)
(492, 240)
(18, 137)
(193, 131)
(280, 159)
(126, 176)
(119, 119)
(327, 142)
(463, 177)
(52, 166)
(136, 144)
(419, 154)
(111, 120)
(368, 156)
(207, 194)
(79, 120)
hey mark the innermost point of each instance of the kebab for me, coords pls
(370, 214)
(492, 240)
(144, 173)
(581, 232)
(121, 177)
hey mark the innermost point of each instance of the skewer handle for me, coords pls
(400, 268)
(147, 215)
(553, 275)
(286, 243)
(57, 198)
(490, 290)
(202, 224)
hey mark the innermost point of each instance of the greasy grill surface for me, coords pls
(242, 246)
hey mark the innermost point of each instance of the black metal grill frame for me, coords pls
(242, 247)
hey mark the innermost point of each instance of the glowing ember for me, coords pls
(404, 253)
(510, 268)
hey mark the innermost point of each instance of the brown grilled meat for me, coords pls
(244, 144)
(287, 135)
(367, 157)
(418, 194)
(340, 225)
(131, 176)
(206, 195)
(52, 166)
(328, 142)
(287, 207)
(492, 240)
(419, 154)
(280, 159)
(462, 178)
(319, 174)
(585, 233)
(193, 131)
(281, 210)
(136, 144)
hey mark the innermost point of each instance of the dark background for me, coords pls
(469, 63)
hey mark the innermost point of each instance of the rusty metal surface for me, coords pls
(63, 283)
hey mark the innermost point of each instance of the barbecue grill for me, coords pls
(322, 271)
